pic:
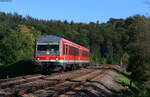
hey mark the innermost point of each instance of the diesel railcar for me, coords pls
(53, 52)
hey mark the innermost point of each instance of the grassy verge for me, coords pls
(130, 91)
(124, 81)
(128, 88)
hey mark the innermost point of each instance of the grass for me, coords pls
(124, 81)
(126, 90)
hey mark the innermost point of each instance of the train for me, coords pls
(56, 52)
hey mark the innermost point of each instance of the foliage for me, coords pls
(104, 40)
(20, 68)
(108, 42)
(139, 50)
(128, 91)
(15, 47)
(124, 81)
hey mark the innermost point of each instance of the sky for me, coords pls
(76, 10)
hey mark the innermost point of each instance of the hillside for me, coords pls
(117, 41)
(93, 81)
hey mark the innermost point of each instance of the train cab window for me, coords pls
(48, 47)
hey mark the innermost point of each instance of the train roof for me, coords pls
(49, 37)
(55, 38)
(74, 44)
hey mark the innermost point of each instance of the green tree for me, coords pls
(15, 47)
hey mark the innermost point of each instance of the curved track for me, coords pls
(52, 85)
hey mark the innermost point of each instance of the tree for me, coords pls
(16, 46)
(139, 50)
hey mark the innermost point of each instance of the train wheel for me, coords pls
(74, 66)
(68, 68)
(45, 69)
(80, 66)
(59, 69)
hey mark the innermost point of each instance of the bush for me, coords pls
(19, 68)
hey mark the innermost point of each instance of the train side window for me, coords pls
(69, 50)
(77, 52)
(66, 49)
(73, 51)
(85, 53)
(63, 48)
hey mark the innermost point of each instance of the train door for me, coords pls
(76, 56)
(66, 53)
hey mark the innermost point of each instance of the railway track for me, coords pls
(52, 85)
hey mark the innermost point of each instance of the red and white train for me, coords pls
(52, 51)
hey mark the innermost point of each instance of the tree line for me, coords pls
(108, 42)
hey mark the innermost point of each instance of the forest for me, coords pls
(117, 41)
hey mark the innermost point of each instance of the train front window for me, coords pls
(52, 48)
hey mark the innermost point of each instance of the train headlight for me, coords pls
(38, 58)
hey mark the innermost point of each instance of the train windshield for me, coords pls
(51, 48)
